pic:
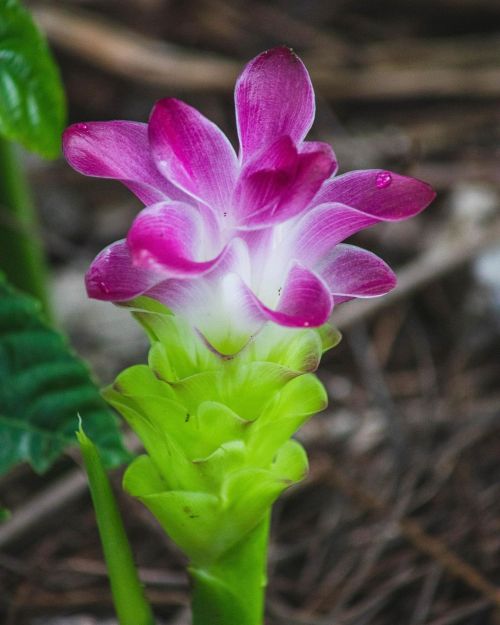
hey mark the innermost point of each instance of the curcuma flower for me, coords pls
(233, 269)
(232, 241)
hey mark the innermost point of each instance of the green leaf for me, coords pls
(4, 515)
(32, 103)
(44, 386)
(131, 604)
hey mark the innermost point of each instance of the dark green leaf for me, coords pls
(43, 389)
(32, 104)
(4, 515)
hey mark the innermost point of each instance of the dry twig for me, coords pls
(413, 532)
(129, 54)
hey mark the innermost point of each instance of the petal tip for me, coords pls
(166, 104)
(274, 96)
(95, 285)
(423, 192)
(284, 51)
(391, 280)
(70, 135)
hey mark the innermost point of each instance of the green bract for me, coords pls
(217, 430)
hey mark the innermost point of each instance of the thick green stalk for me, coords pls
(21, 254)
(131, 605)
(231, 590)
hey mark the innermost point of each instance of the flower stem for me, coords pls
(131, 605)
(231, 590)
(21, 254)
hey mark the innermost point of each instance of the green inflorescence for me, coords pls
(217, 430)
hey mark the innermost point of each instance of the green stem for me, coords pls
(131, 605)
(21, 254)
(231, 590)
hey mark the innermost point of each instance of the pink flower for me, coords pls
(233, 241)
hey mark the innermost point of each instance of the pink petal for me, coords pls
(113, 277)
(353, 201)
(259, 244)
(193, 152)
(212, 302)
(320, 229)
(304, 301)
(265, 179)
(173, 238)
(308, 147)
(382, 194)
(350, 271)
(118, 150)
(182, 296)
(281, 154)
(270, 196)
(190, 296)
(315, 165)
(274, 97)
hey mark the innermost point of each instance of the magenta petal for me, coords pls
(304, 301)
(350, 271)
(315, 165)
(281, 155)
(190, 296)
(113, 277)
(297, 188)
(265, 179)
(172, 237)
(213, 303)
(304, 298)
(260, 245)
(349, 203)
(274, 97)
(380, 193)
(181, 296)
(320, 229)
(118, 150)
(309, 147)
(193, 152)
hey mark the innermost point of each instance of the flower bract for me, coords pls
(233, 241)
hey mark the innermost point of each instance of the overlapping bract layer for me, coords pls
(217, 430)
(233, 242)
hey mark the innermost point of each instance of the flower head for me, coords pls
(233, 241)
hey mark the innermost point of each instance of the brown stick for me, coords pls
(43, 505)
(126, 53)
(413, 532)
(132, 55)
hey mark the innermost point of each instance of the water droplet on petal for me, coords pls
(103, 286)
(383, 180)
(82, 126)
(306, 324)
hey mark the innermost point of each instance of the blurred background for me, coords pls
(399, 520)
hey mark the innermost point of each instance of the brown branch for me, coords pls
(413, 532)
(98, 597)
(126, 53)
(43, 505)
